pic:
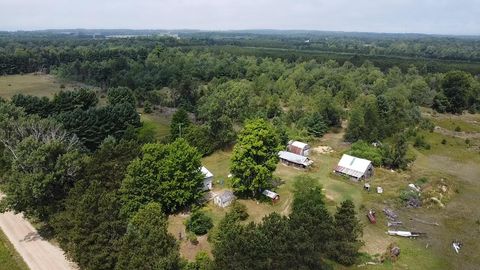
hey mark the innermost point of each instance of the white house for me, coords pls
(356, 168)
(224, 199)
(299, 148)
(208, 178)
(293, 159)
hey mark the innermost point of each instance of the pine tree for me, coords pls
(180, 122)
(347, 228)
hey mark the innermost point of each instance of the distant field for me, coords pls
(30, 84)
(9, 258)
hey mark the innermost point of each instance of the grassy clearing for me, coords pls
(9, 258)
(156, 124)
(31, 84)
(466, 123)
(455, 161)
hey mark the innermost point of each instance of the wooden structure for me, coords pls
(298, 148)
(224, 199)
(355, 168)
(208, 178)
(293, 159)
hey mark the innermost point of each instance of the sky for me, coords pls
(459, 17)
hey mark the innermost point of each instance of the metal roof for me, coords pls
(353, 166)
(270, 194)
(292, 157)
(206, 172)
(226, 196)
(298, 144)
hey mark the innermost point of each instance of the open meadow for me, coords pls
(34, 84)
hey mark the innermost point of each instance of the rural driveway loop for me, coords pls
(38, 253)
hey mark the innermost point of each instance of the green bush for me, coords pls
(192, 238)
(240, 210)
(199, 223)
(421, 143)
(444, 141)
(362, 149)
(458, 129)
(147, 107)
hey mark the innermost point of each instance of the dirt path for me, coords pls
(38, 253)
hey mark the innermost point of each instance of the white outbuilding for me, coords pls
(207, 179)
(356, 168)
(224, 199)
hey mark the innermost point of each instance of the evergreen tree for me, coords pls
(180, 122)
(310, 216)
(121, 95)
(348, 230)
(90, 227)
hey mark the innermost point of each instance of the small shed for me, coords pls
(299, 148)
(293, 159)
(207, 178)
(356, 168)
(272, 195)
(224, 199)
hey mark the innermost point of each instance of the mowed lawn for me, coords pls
(31, 84)
(9, 258)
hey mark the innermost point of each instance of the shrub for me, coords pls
(410, 198)
(192, 238)
(421, 181)
(421, 143)
(458, 129)
(467, 141)
(240, 210)
(362, 149)
(199, 223)
(444, 141)
(147, 107)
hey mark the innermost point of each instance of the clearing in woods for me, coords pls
(32, 84)
(456, 162)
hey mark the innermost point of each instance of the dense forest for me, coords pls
(104, 191)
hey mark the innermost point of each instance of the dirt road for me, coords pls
(39, 254)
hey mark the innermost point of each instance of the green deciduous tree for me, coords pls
(254, 157)
(456, 86)
(147, 243)
(44, 163)
(168, 174)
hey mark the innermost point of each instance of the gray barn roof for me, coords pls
(292, 157)
(226, 196)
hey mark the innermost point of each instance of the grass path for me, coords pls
(9, 258)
